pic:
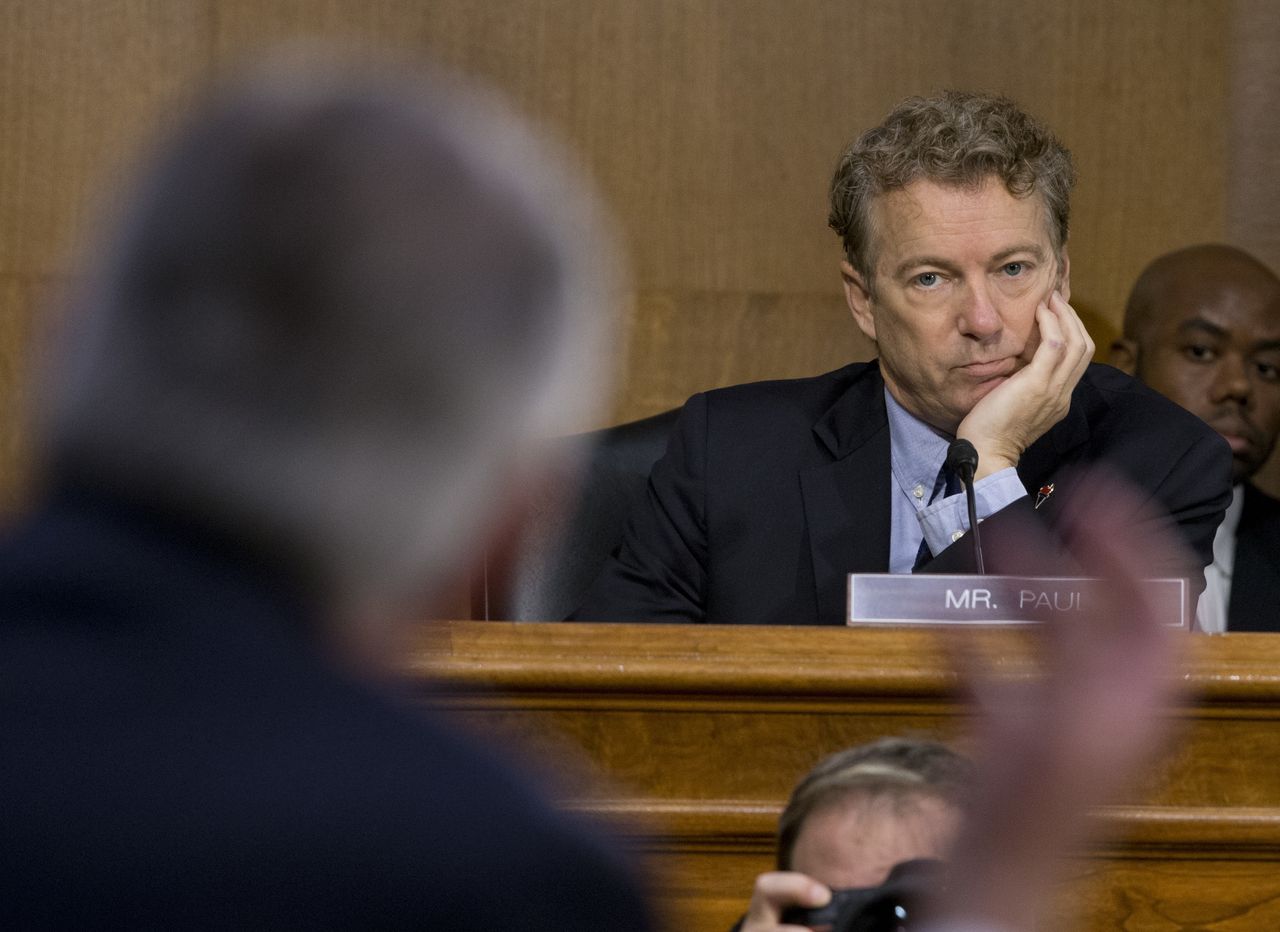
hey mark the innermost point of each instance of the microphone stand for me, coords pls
(963, 459)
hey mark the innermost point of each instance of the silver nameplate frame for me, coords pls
(926, 599)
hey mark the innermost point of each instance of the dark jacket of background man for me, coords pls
(1202, 327)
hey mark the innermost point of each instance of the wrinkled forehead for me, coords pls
(1240, 310)
(856, 839)
(926, 206)
(884, 805)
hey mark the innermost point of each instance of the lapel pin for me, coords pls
(1043, 495)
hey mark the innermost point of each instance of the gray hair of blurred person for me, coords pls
(958, 139)
(898, 768)
(340, 308)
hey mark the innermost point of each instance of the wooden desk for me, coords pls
(701, 731)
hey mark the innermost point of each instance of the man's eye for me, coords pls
(928, 279)
(1268, 372)
(1198, 352)
(1013, 269)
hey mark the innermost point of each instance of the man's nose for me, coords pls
(980, 315)
(1231, 380)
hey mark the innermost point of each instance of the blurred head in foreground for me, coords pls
(1202, 327)
(300, 392)
(330, 324)
(861, 811)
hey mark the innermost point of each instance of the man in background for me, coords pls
(291, 406)
(1202, 327)
(855, 816)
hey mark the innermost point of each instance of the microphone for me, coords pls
(962, 458)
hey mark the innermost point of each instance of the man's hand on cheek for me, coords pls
(1018, 412)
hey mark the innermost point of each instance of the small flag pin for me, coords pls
(1045, 491)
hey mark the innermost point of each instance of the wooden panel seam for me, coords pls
(1179, 832)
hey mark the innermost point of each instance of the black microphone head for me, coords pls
(962, 458)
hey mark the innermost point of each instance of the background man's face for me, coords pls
(856, 840)
(959, 274)
(1214, 348)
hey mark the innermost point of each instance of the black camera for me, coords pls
(894, 906)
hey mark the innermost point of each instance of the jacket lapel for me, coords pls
(1042, 465)
(846, 502)
(1254, 604)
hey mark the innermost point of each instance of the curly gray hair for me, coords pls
(956, 138)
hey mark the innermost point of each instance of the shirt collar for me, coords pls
(917, 450)
(1224, 541)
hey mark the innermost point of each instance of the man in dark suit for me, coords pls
(1202, 327)
(953, 214)
(303, 388)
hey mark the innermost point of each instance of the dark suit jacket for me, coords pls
(176, 751)
(1254, 603)
(771, 493)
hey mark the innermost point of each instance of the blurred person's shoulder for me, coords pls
(488, 845)
(176, 737)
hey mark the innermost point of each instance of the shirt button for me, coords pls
(918, 491)
(956, 535)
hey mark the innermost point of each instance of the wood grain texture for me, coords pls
(1253, 222)
(25, 323)
(1254, 149)
(793, 663)
(1152, 875)
(699, 733)
(772, 336)
(82, 85)
(711, 127)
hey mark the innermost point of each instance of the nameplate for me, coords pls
(926, 599)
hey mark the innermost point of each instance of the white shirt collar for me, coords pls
(1224, 542)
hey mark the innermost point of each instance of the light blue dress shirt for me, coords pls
(917, 452)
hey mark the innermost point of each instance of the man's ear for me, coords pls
(858, 297)
(1064, 276)
(1124, 355)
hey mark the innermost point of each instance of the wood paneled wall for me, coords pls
(711, 126)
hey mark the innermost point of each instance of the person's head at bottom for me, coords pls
(856, 816)
(341, 308)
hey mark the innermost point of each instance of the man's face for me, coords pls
(959, 275)
(1213, 346)
(857, 840)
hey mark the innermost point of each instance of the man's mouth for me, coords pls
(995, 368)
(1237, 443)
(1240, 437)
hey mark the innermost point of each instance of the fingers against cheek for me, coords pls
(1050, 330)
(1084, 334)
(1073, 327)
(1077, 347)
(1068, 319)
